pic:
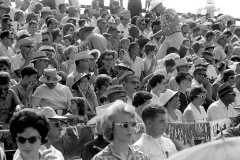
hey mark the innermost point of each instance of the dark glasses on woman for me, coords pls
(202, 97)
(31, 140)
(126, 124)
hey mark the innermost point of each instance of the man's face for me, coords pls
(33, 28)
(158, 125)
(231, 79)
(46, 39)
(136, 50)
(188, 81)
(7, 26)
(132, 84)
(201, 76)
(142, 25)
(102, 25)
(108, 61)
(84, 63)
(10, 40)
(162, 86)
(54, 24)
(31, 79)
(43, 63)
(56, 129)
(26, 50)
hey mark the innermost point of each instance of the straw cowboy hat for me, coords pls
(182, 62)
(154, 3)
(167, 95)
(40, 55)
(23, 41)
(45, 9)
(78, 78)
(49, 113)
(85, 28)
(83, 55)
(50, 76)
(114, 89)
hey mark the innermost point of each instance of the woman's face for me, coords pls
(120, 133)
(162, 86)
(201, 98)
(72, 54)
(67, 42)
(70, 31)
(3, 90)
(5, 68)
(29, 149)
(175, 102)
(84, 83)
(51, 85)
(230, 49)
(231, 80)
(74, 106)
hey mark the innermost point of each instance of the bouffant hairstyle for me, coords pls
(140, 98)
(4, 78)
(195, 91)
(115, 110)
(28, 118)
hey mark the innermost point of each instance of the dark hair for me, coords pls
(46, 32)
(86, 10)
(6, 19)
(169, 63)
(69, 37)
(181, 76)
(23, 36)
(140, 98)
(182, 51)
(5, 33)
(226, 48)
(30, 16)
(61, 6)
(235, 58)
(4, 78)
(151, 111)
(196, 29)
(148, 15)
(149, 48)
(229, 23)
(81, 22)
(66, 28)
(155, 23)
(132, 45)
(207, 53)
(49, 21)
(108, 53)
(154, 80)
(226, 74)
(28, 71)
(216, 26)
(198, 69)
(70, 20)
(196, 46)
(55, 33)
(101, 80)
(17, 14)
(134, 20)
(81, 104)
(195, 91)
(28, 118)
(5, 61)
(171, 50)
(209, 33)
(48, 17)
(31, 23)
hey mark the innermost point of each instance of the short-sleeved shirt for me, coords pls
(166, 19)
(17, 61)
(97, 41)
(7, 52)
(138, 66)
(219, 53)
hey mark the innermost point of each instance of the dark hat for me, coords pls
(209, 47)
(111, 28)
(224, 89)
(142, 41)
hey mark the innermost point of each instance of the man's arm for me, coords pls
(175, 22)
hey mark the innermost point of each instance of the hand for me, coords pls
(48, 155)
(154, 61)
(31, 86)
(29, 57)
(18, 108)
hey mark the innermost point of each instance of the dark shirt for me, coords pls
(92, 148)
(113, 73)
(184, 101)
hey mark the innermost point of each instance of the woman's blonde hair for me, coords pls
(112, 112)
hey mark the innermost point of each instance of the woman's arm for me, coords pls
(188, 116)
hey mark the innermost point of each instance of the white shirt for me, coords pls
(237, 98)
(7, 52)
(219, 53)
(168, 76)
(123, 29)
(155, 99)
(17, 61)
(155, 148)
(96, 30)
(218, 110)
(195, 83)
(198, 116)
(138, 66)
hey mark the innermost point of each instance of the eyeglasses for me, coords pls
(12, 39)
(233, 93)
(28, 46)
(45, 39)
(59, 123)
(31, 140)
(107, 84)
(126, 124)
(204, 75)
(202, 97)
(231, 77)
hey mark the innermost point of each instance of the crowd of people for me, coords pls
(104, 84)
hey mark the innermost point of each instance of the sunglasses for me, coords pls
(45, 39)
(204, 75)
(31, 140)
(202, 97)
(126, 124)
(28, 46)
(231, 77)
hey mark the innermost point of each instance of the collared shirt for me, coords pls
(17, 61)
(124, 30)
(113, 73)
(237, 98)
(108, 153)
(97, 30)
(198, 116)
(155, 99)
(218, 110)
(195, 83)
(138, 66)
(156, 148)
(167, 18)
(7, 52)
(219, 53)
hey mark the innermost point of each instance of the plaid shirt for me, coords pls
(108, 153)
(166, 19)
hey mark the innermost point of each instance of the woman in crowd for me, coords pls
(68, 28)
(69, 66)
(103, 81)
(52, 93)
(29, 130)
(18, 20)
(118, 125)
(195, 112)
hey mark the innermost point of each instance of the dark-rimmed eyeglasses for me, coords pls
(46, 39)
(31, 140)
(231, 77)
(59, 123)
(204, 75)
(28, 46)
(126, 124)
(202, 97)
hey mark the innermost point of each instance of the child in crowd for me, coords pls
(32, 29)
(123, 53)
(5, 65)
(68, 40)
(69, 66)
(9, 101)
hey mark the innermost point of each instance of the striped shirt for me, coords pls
(108, 153)
(167, 18)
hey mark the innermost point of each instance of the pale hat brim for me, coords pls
(44, 80)
(154, 4)
(23, 41)
(84, 29)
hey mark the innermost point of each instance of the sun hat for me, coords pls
(5, 7)
(44, 47)
(26, 40)
(114, 89)
(112, 28)
(40, 55)
(85, 28)
(100, 110)
(45, 9)
(182, 62)
(49, 113)
(122, 65)
(224, 88)
(200, 61)
(125, 75)
(83, 55)
(166, 96)
(124, 12)
(22, 32)
(78, 78)
(154, 3)
(50, 76)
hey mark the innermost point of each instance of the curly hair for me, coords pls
(151, 111)
(28, 118)
(115, 110)
(101, 80)
(4, 78)
(66, 28)
(195, 91)
(81, 104)
(140, 98)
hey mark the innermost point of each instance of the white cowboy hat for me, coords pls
(182, 62)
(154, 4)
(40, 55)
(23, 41)
(49, 113)
(45, 9)
(166, 96)
(50, 76)
(83, 55)
(200, 61)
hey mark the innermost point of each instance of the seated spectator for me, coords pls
(5, 66)
(52, 93)
(149, 60)
(102, 82)
(68, 40)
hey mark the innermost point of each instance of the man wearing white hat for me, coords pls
(170, 27)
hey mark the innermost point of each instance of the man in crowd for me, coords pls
(7, 39)
(101, 26)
